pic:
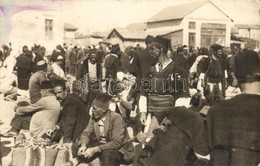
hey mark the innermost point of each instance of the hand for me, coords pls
(234, 82)
(82, 150)
(141, 137)
(50, 132)
(67, 145)
(203, 85)
(91, 151)
(143, 118)
(166, 122)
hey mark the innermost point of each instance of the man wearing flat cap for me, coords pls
(213, 75)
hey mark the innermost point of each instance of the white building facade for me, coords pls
(196, 25)
(29, 27)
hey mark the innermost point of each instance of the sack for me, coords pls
(63, 157)
(27, 156)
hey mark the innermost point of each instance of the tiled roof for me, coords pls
(129, 33)
(69, 27)
(137, 26)
(179, 11)
(99, 34)
(247, 26)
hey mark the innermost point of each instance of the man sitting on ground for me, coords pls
(73, 118)
(37, 117)
(110, 143)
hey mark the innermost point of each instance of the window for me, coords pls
(192, 39)
(212, 33)
(48, 29)
(192, 25)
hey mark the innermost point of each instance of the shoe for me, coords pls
(9, 134)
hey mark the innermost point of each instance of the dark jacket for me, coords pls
(234, 131)
(115, 132)
(24, 68)
(73, 118)
(170, 148)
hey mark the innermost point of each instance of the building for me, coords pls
(197, 24)
(69, 33)
(30, 26)
(127, 37)
(94, 38)
(250, 31)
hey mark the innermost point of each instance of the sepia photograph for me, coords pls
(129, 82)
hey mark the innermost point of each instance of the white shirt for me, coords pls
(164, 65)
(58, 70)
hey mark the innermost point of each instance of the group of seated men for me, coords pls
(174, 135)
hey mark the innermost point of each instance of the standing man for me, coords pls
(168, 83)
(213, 75)
(110, 141)
(233, 125)
(24, 68)
(113, 67)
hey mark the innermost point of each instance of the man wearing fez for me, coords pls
(22, 122)
(35, 81)
(105, 137)
(233, 125)
(37, 117)
(167, 83)
(73, 117)
(213, 75)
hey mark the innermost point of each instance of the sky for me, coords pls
(102, 15)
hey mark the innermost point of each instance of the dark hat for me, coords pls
(180, 49)
(59, 83)
(216, 47)
(247, 66)
(76, 86)
(46, 85)
(163, 41)
(203, 51)
(149, 39)
(115, 48)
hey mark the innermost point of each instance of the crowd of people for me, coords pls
(83, 98)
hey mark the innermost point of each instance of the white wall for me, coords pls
(28, 28)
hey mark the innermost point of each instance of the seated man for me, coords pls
(73, 117)
(37, 117)
(8, 85)
(110, 143)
